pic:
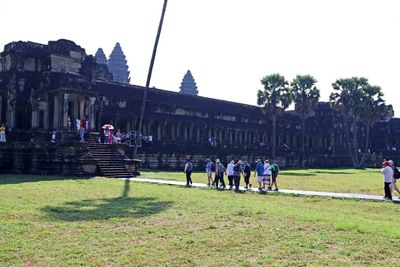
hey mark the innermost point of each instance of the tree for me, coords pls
(371, 110)
(275, 97)
(305, 96)
(357, 101)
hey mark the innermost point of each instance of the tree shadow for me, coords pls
(296, 174)
(332, 172)
(25, 178)
(107, 208)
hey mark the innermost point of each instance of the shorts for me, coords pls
(209, 174)
(267, 179)
(260, 179)
(274, 175)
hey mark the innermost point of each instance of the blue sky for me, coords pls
(228, 45)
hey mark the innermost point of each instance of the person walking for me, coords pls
(267, 174)
(396, 175)
(237, 171)
(274, 174)
(219, 174)
(3, 133)
(229, 173)
(260, 174)
(246, 174)
(107, 135)
(82, 130)
(209, 166)
(188, 171)
(387, 179)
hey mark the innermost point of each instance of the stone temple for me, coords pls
(45, 87)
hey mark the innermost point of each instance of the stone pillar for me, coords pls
(81, 107)
(56, 112)
(173, 132)
(220, 136)
(91, 112)
(65, 111)
(46, 123)
(230, 137)
(34, 117)
(11, 112)
(197, 134)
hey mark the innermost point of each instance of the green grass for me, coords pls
(107, 222)
(367, 181)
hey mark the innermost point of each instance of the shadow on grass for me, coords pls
(284, 173)
(328, 172)
(26, 178)
(107, 208)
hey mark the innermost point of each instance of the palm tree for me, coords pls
(275, 97)
(373, 108)
(305, 96)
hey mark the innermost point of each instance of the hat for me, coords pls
(385, 163)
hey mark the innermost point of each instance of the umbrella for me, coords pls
(108, 126)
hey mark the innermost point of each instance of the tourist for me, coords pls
(260, 174)
(387, 179)
(118, 137)
(396, 175)
(78, 124)
(3, 133)
(111, 141)
(219, 174)
(53, 137)
(267, 175)
(106, 135)
(209, 166)
(274, 174)
(229, 173)
(82, 130)
(237, 171)
(188, 171)
(247, 174)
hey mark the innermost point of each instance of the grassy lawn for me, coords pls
(108, 222)
(367, 181)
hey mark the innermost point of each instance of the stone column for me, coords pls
(81, 107)
(197, 134)
(220, 136)
(92, 100)
(34, 117)
(11, 112)
(46, 122)
(56, 112)
(65, 111)
(173, 132)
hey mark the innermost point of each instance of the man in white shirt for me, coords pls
(387, 172)
(267, 174)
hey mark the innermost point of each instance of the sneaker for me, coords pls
(269, 188)
(208, 184)
(246, 187)
(213, 184)
(223, 188)
(276, 189)
(230, 187)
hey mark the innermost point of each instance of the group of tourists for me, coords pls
(390, 176)
(2, 133)
(265, 171)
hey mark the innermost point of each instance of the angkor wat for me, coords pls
(44, 87)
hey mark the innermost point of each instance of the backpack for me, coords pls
(236, 168)
(396, 173)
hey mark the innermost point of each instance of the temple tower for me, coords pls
(118, 66)
(101, 57)
(188, 85)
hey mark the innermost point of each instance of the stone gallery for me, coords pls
(46, 88)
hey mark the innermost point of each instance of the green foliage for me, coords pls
(305, 94)
(276, 95)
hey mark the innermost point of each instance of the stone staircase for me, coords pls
(110, 162)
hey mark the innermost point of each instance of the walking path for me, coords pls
(281, 191)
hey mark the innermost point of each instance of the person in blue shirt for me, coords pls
(260, 174)
(209, 167)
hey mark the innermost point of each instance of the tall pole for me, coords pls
(143, 107)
